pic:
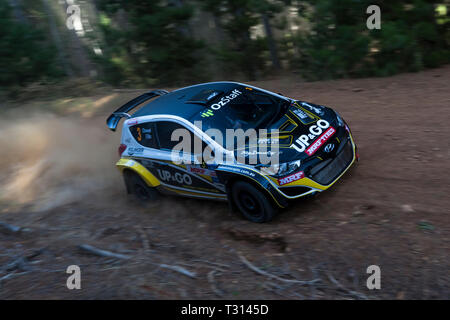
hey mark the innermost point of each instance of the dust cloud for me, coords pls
(48, 161)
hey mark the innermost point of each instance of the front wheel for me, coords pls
(252, 203)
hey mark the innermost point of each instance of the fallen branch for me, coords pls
(180, 270)
(282, 290)
(12, 275)
(272, 276)
(340, 286)
(102, 253)
(217, 264)
(313, 287)
(9, 228)
(213, 285)
(21, 263)
(17, 264)
(275, 288)
(298, 295)
(205, 265)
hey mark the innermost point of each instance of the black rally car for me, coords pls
(313, 145)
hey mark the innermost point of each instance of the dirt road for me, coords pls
(390, 210)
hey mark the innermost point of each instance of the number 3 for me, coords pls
(139, 134)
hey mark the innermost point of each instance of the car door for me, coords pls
(177, 170)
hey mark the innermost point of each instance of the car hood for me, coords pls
(304, 130)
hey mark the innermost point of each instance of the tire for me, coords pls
(139, 189)
(252, 202)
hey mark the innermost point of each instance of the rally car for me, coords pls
(313, 146)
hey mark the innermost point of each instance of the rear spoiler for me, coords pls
(122, 112)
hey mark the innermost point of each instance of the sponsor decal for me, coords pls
(207, 113)
(132, 122)
(224, 100)
(133, 150)
(320, 141)
(181, 178)
(291, 178)
(239, 170)
(315, 130)
(317, 110)
(203, 171)
(268, 141)
(130, 163)
(247, 153)
(301, 114)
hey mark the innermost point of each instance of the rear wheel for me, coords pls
(252, 203)
(138, 188)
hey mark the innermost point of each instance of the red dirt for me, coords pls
(390, 210)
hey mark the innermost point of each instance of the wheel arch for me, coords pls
(235, 178)
(129, 165)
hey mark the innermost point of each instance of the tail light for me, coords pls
(121, 149)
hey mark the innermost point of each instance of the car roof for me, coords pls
(180, 102)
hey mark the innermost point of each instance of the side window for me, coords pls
(144, 134)
(166, 128)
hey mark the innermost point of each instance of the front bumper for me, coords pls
(321, 176)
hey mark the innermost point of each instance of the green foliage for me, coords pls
(242, 53)
(157, 47)
(154, 42)
(336, 47)
(409, 40)
(340, 45)
(25, 55)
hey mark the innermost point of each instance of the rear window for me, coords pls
(144, 134)
(165, 129)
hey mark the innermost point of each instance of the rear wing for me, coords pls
(122, 112)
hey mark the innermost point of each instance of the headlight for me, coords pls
(282, 169)
(339, 119)
(342, 122)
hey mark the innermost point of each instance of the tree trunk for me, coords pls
(271, 42)
(17, 11)
(244, 43)
(57, 39)
(77, 49)
(218, 29)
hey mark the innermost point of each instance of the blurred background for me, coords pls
(65, 65)
(148, 43)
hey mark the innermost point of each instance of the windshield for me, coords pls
(242, 108)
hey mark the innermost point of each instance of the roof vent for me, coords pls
(205, 96)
